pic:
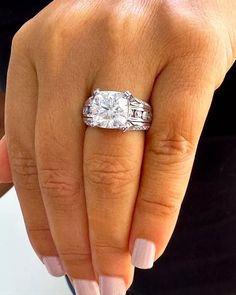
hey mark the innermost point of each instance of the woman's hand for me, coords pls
(92, 197)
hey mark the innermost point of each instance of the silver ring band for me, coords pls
(117, 110)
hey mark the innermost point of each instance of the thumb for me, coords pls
(5, 170)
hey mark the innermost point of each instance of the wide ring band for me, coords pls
(117, 110)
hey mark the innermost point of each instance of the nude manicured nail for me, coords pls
(143, 254)
(112, 285)
(54, 266)
(86, 287)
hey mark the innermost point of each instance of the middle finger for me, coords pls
(59, 146)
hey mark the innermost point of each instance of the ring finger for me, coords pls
(59, 148)
(112, 163)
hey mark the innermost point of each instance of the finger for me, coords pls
(59, 147)
(5, 171)
(181, 99)
(21, 104)
(112, 162)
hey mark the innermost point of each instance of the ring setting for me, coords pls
(117, 110)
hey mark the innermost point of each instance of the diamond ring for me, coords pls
(117, 110)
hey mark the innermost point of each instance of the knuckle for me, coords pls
(170, 149)
(122, 20)
(130, 29)
(75, 258)
(105, 252)
(204, 41)
(56, 30)
(59, 28)
(63, 23)
(76, 261)
(157, 207)
(20, 40)
(55, 183)
(189, 30)
(104, 248)
(109, 171)
(25, 171)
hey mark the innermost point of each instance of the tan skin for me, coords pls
(4, 187)
(72, 181)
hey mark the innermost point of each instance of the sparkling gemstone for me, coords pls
(109, 109)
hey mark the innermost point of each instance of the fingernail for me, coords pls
(143, 254)
(54, 266)
(86, 287)
(112, 285)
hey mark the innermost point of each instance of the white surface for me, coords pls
(21, 272)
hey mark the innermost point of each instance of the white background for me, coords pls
(21, 272)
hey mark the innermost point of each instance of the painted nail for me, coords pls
(86, 287)
(143, 254)
(54, 266)
(112, 285)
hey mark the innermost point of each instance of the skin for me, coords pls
(72, 181)
(4, 187)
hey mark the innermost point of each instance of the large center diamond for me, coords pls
(109, 109)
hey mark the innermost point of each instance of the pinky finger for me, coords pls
(21, 107)
(178, 118)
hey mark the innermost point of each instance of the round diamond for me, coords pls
(109, 109)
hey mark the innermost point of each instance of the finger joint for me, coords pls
(57, 184)
(159, 207)
(25, 171)
(170, 149)
(109, 171)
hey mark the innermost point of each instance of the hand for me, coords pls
(84, 195)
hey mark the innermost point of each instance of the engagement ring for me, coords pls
(117, 110)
